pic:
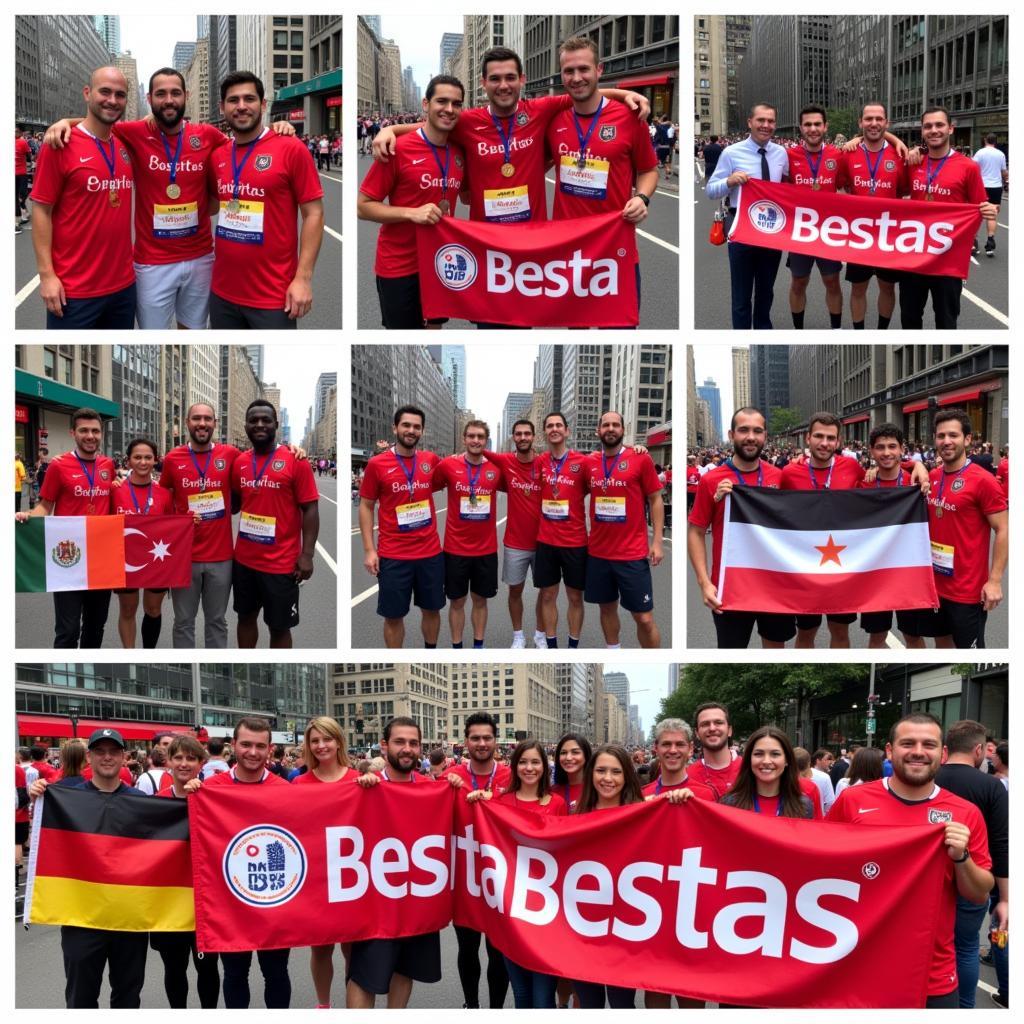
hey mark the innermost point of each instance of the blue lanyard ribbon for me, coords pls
(899, 479)
(557, 467)
(205, 469)
(873, 168)
(584, 139)
(933, 175)
(813, 166)
(828, 479)
(607, 467)
(110, 161)
(490, 778)
(659, 786)
(505, 134)
(472, 477)
(135, 500)
(257, 477)
(942, 479)
(778, 806)
(177, 152)
(409, 473)
(443, 168)
(237, 168)
(739, 475)
(91, 477)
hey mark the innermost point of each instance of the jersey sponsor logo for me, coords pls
(421, 159)
(890, 165)
(264, 866)
(606, 132)
(490, 474)
(425, 467)
(104, 474)
(194, 141)
(156, 164)
(522, 118)
(263, 161)
(418, 485)
(886, 232)
(273, 485)
(91, 492)
(581, 275)
(574, 467)
(456, 267)
(220, 463)
(484, 149)
(937, 817)
(830, 165)
(277, 465)
(245, 190)
(84, 159)
(767, 217)
(957, 484)
(95, 184)
(426, 181)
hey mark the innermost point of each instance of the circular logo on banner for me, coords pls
(766, 216)
(455, 267)
(264, 866)
(871, 870)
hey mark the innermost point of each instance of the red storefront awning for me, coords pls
(659, 437)
(60, 726)
(856, 419)
(639, 83)
(916, 406)
(955, 397)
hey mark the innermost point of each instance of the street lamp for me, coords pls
(73, 713)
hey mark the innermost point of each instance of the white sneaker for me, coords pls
(518, 643)
(540, 641)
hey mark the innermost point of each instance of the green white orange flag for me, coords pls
(69, 553)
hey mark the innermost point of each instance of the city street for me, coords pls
(657, 241)
(30, 314)
(33, 613)
(700, 630)
(366, 625)
(984, 303)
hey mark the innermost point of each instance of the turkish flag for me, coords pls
(158, 551)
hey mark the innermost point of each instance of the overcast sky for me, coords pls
(295, 369)
(151, 39)
(492, 373)
(715, 361)
(648, 684)
(419, 40)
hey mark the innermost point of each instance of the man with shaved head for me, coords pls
(81, 218)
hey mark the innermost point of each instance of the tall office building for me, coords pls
(453, 366)
(109, 28)
(586, 392)
(136, 387)
(254, 353)
(202, 26)
(737, 43)
(711, 95)
(182, 56)
(769, 378)
(450, 42)
(740, 377)
(373, 21)
(710, 393)
(524, 699)
(517, 405)
(641, 388)
(324, 383)
(617, 684)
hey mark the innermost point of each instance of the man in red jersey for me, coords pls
(81, 218)
(78, 483)
(619, 557)
(470, 532)
(1003, 471)
(748, 435)
(874, 168)
(911, 797)
(263, 271)
(673, 747)
(826, 468)
(966, 506)
(22, 158)
(815, 165)
(421, 184)
(944, 176)
(718, 766)
(692, 480)
(280, 521)
(407, 558)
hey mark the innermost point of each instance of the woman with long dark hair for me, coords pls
(866, 766)
(571, 756)
(768, 781)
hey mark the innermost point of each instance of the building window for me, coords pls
(280, 60)
(280, 40)
(298, 42)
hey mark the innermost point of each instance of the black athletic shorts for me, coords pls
(400, 580)
(276, 593)
(21, 831)
(814, 621)
(555, 563)
(477, 574)
(965, 623)
(400, 307)
(995, 195)
(627, 582)
(858, 272)
(734, 629)
(374, 962)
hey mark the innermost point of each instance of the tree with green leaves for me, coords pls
(782, 419)
(843, 121)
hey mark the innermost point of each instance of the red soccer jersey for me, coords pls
(843, 474)
(570, 794)
(228, 778)
(882, 174)
(554, 808)
(153, 500)
(78, 487)
(522, 481)
(46, 771)
(22, 155)
(708, 512)
(692, 479)
(700, 790)
(619, 488)
(810, 790)
(257, 248)
(563, 499)
(413, 178)
(718, 780)
(497, 780)
(902, 479)
(960, 536)
(618, 149)
(406, 518)
(273, 487)
(169, 230)
(308, 778)
(124, 775)
(958, 180)
(521, 195)
(92, 240)
(200, 482)
(806, 169)
(874, 803)
(470, 526)
(1003, 474)
(20, 782)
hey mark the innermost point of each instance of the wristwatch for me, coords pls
(646, 199)
(965, 857)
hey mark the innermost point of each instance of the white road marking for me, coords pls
(331, 563)
(369, 592)
(329, 177)
(331, 231)
(26, 291)
(331, 500)
(984, 306)
(892, 642)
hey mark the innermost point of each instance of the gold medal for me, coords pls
(507, 170)
(113, 198)
(444, 206)
(234, 206)
(581, 164)
(938, 511)
(929, 198)
(816, 186)
(173, 191)
(90, 509)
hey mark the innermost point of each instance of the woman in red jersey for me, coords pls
(571, 756)
(768, 781)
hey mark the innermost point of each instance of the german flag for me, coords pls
(117, 862)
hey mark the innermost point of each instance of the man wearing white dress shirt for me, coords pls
(752, 268)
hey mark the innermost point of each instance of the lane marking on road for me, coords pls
(671, 195)
(892, 642)
(985, 307)
(360, 598)
(331, 500)
(331, 231)
(987, 988)
(974, 261)
(1002, 225)
(329, 177)
(331, 563)
(26, 291)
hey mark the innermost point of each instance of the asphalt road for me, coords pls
(33, 613)
(30, 314)
(700, 629)
(984, 303)
(657, 240)
(366, 624)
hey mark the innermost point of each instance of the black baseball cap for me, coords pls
(106, 734)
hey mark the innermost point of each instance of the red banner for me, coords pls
(925, 238)
(699, 900)
(568, 273)
(158, 551)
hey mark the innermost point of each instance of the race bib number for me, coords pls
(258, 529)
(244, 225)
(590, 182)
(609, 509)
(480, 508)
(413, 516)
(942, 558)
(208, 505)
(177, 221)
(555, 508)
(507, 204)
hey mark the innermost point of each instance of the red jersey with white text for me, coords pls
(692, 479)
(960, 536)
(406, 519)
(902, 479)
(521, 195)
(22, 155)
(570, 793)
(228, 779)
(618, 149)
(522, 482)
(806, 169)
(882, 174)
(308, 778)
(843, 474)
(719, 780)
(958, 180)
(497, 780)
(273, 487)
(874, 803)
(78, 487)
(92, 239)
(152, 500)
(619, 487)
(700, 790)
(708, 512)
(563, 499)
(200, 483)
(471, 522)
(257, 247)
(411, 178)
(170, 230)
(554, 808)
